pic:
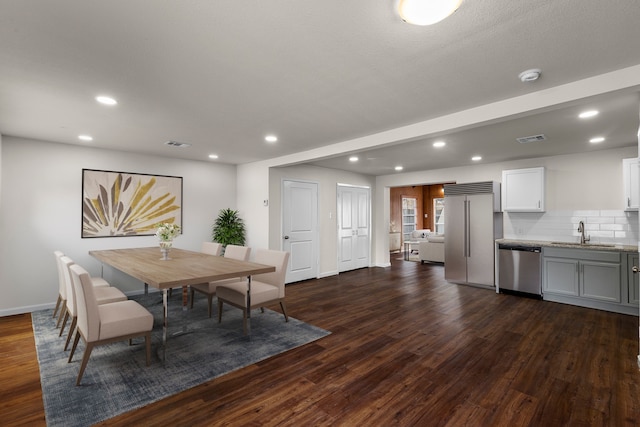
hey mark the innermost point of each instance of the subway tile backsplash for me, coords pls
(605, 226)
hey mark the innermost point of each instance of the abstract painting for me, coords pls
(128, 204)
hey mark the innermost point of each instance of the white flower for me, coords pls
(167, 232)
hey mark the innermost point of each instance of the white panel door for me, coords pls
(300, 229)
(353, 227)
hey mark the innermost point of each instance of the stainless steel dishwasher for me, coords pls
(519, 269)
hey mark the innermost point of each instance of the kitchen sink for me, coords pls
(585, 245)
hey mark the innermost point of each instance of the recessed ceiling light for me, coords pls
(399, 168)
(439, 144)
(271, 138)
(106, 100)
(530, 75)
(85, 137)
(213, 156)
(476, 158)
(596, 140)
(353, 158)
(588, 114)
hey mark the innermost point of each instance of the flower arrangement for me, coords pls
(166, 232)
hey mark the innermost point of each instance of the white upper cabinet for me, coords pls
(631, 183)
(523, 190)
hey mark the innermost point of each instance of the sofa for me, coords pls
(432, 249)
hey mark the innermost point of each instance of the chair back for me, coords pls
(88, 312)
(66, 264)
(211, 248)
(237, 252)
(279, 260)
(62, 285)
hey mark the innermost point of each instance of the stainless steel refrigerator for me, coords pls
(473, 222)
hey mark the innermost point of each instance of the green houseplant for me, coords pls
(228, 229)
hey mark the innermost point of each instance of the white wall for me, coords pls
(40, 211)
(328, 179)
(578, 182)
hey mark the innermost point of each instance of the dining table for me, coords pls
(182, 269)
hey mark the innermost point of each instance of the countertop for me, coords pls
(572, 245)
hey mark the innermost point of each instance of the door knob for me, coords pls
(635, 269)
(286, 237)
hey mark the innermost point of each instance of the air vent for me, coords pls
(533, 138)
(177, 144)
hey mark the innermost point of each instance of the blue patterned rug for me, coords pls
(117, 380)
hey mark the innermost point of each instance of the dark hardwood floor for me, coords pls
(407, 348)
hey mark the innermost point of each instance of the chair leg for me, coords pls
(74, 322)
(210, 301)
(284, 311)
(73, 347)
(63, 309)
(219, 310)
(64, 322)
(55, 310)
(85, 359)
(192, 294)
(147, 342)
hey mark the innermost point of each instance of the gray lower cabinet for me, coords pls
(589, 278)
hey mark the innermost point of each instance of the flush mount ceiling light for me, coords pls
(426, 12)
(439, 144)
(106, 100)
(596, 140)
(85, 138)
(476, 158)
(353, 159)
(213, 156)
(398, 168)
(271, 138)
(530, 75)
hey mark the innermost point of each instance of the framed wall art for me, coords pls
(116, 204)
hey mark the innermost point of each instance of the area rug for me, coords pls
(117, 380)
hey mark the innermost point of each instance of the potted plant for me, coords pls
(228, 229)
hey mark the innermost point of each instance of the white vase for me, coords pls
(165, 247)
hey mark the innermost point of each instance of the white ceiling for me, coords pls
(220, 75)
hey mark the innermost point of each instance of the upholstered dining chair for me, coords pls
(211, 248)
(107, 323)
(62, 287)
(266, 288)
(209, 289)
(103, 295)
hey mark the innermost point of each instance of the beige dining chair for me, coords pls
(106, 323)
(209, 289)
(211, 248)
(62, 287)
(103, 295)
(266, 288)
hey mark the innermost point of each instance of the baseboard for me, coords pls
(383, 264)
(327, 274)
(25, 309)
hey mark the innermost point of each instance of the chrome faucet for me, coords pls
(583, 239)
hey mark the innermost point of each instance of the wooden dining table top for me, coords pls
(184, 267)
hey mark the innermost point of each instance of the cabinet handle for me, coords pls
(539, 203)
(635, 269)
(628, 202)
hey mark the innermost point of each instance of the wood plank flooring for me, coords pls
(407, 348)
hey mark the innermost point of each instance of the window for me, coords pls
(409, 216)
(438, 211)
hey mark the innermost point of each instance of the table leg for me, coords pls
(249, 306)
(165, 322)
(185, 300)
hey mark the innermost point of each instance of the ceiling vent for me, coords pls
(177, 144)
(533, 138)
